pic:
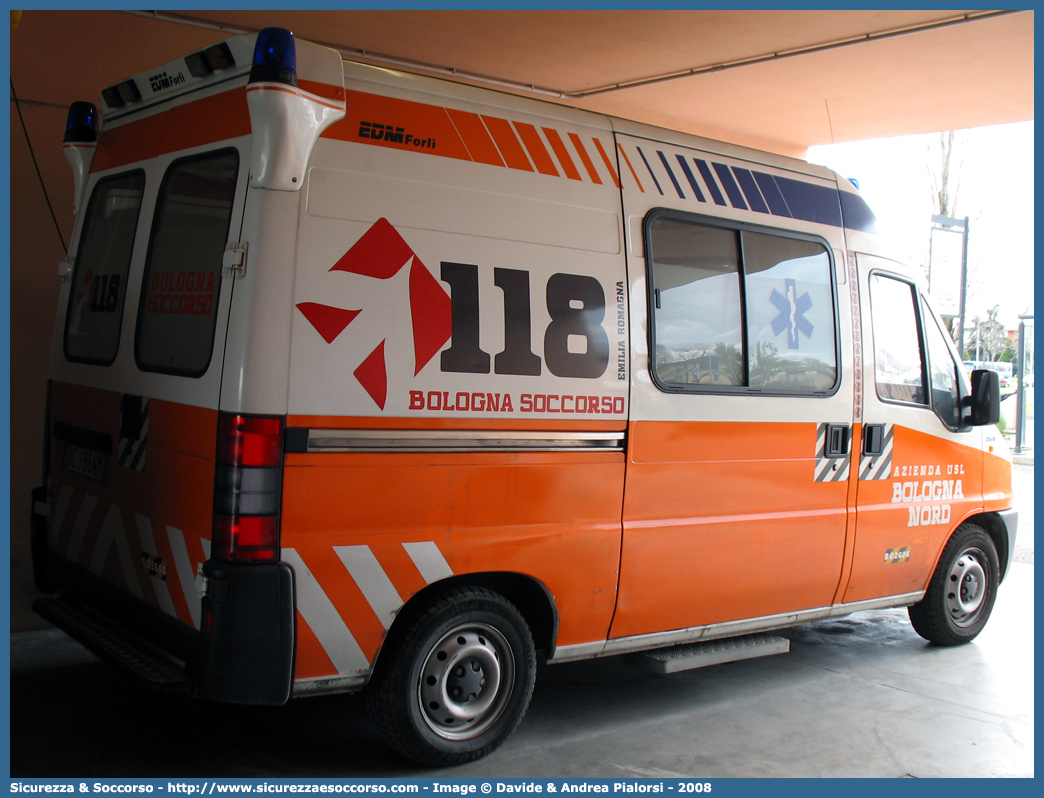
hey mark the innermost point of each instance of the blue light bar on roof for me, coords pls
(275, 57)
(81, 124)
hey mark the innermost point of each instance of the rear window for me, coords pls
(99, 285)
(182, 281)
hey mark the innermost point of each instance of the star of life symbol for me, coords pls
(792, 310)
(382, 254)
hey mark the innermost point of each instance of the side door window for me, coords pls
(907, 368)
(696, 305)
(899, 371)
(944, 375)
(739, 310)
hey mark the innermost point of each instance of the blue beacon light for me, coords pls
(81, 125)
(275, 57)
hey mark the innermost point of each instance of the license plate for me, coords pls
(85, 462)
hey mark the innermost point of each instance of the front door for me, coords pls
(918, 469)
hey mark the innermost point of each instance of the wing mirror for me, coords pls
(984, 402)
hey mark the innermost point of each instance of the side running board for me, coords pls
(712, 652)
(114, 644)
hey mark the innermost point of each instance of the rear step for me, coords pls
(114, 644)
(712, 652)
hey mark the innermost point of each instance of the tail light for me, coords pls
(247, 486)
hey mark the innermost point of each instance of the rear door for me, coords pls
(136, 370)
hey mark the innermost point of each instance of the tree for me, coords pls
(944, 172)
(1010, 353)
(987, 337)
(729, 362)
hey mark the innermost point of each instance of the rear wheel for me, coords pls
(454, 683)
(963, 589)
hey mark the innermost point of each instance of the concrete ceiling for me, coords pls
(779, 80)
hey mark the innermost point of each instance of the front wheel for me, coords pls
(454, 682)
(963, 589)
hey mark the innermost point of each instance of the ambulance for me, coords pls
(365, 381)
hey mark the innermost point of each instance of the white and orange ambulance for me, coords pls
(363, 379)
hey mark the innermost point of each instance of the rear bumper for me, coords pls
(243, 654)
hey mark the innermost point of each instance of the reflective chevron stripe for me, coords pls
(322, 617)
(372, 581)
(829, 469)
(151, 561)
(132, 450)
(429, 561)
(333, 627)
(879, 466)
(183, 565)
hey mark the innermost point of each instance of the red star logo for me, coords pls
(381, 254)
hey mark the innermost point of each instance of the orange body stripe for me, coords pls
(327, 90)
(588, 165)
(608, 163)
(708, 441)
(996, 482)
(176, 488)
(563, 154)
(476, 138)
(507, 142)
(718, 518)
(310, 660)
(72, 512)
(883, 522)
(400, 569)
(536, 149)
(175, 588)
(130, 526)
(195, 124)
(633, 173)
(542, 514)
(345, 596)
(185, 428)
(293, 91)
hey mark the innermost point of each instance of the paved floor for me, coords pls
(856, 696)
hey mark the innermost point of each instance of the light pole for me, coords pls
(1020, 404)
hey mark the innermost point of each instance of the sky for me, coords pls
(995, 192)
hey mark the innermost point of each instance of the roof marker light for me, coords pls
(129, 91)
(112, 97)
(210, 60)
(81, 125)
(220, 56)
(275, 57)
(198, 65)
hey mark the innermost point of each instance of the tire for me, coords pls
(455, 681)
(963, 589)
